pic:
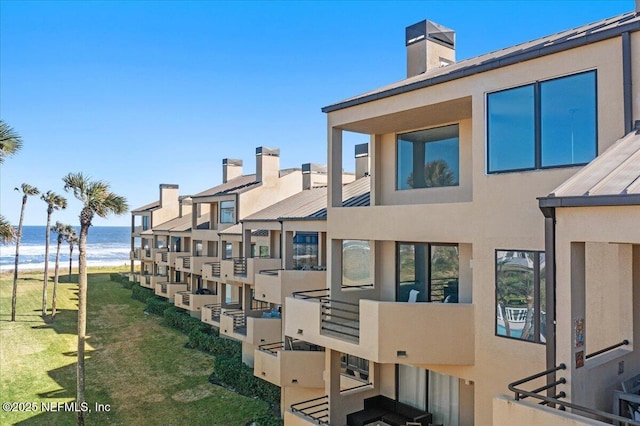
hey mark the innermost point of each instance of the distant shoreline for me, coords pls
(64, 266)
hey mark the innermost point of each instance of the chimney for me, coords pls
(231, 169)
(429, 46)
(267, 164)
(168, 195)
(362, 160)
(313, 175)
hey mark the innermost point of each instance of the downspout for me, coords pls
(627, 82)
(550, 293)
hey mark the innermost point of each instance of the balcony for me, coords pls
(211, 313)
(274, 286)
(157, 279)
(244, 269)
(175, 255)
(198, 263)
(312, 412)
(135, 254)
(255, 327)
(211, 271)
(299, 365)
(145, 281)
(162, 256)
(135, 277)
(145, 254)
(136, 231)
(183, 263)
(385, 332)
(169, 290)
(194, 302)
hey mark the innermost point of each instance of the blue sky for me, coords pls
(129, 91)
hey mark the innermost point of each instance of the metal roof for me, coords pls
(147, 207)
(311, 204)
(233, 186)
(569, 39)
(612, 178)
(179, 224)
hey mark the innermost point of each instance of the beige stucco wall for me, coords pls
(486, 212)
(507, 411)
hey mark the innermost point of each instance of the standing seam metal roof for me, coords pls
(585, 34)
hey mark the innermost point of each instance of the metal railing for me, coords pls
(215, 269)
(316, 409)
(364, 385)
(163, 288)
(552, 401)
(186, 297)
(607, 349)
(342, 318)
(216, 309)
(186, 262)
(271, 348)
(239, 320)
(164, 256)
(239, 266)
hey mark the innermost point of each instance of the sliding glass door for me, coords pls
(427, 272)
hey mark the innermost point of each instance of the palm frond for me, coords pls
(27, 189)
(10, 141)
(54, 201)
(7, 232)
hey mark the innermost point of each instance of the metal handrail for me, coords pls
(554, 400)
(356, 387)
(607, 349)
(271, 347)
(323, 405)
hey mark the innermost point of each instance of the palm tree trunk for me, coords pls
(46, 263)
(70, 259)
(15, 269)
(82, 316)
(55, 280)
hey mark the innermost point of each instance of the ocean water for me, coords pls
(106, 246)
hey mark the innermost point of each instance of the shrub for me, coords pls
(179, 319)
(213, 343)
(141, 293)
(157, 305)
(268, 419)
(126, 283)
(232, 372)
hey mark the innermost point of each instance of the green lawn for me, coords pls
(138, 367)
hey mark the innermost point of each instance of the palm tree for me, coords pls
(10, 141)
(72, 239)
(27, 191)
(7, 232)
(64, 232)
(97, 199)
(54, 202)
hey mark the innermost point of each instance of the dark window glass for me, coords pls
(427, 273)
(428, 158)
(511, 128)
(519, 292)
(546, 124)
(568, 120)
(305, 250)
(145, 223)
(228, 212)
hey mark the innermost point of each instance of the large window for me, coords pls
(145, 223)
(228, 211)
(520, 301)
(305, 250)
(356, 264)
(427, 273)
(428, 158)
(546, 124)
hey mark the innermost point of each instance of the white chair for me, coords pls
(413, 296)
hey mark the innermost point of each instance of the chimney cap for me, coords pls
(231, 162)
(263, 150)
(168, 186)
(432, 31)
(313, 167)
(362, 150)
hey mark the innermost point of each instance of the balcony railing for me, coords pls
(163, 288)
(216, 310)
(164, 256)
(337, 317)
(316, 409)
(239, 266)
(186, 297)
(555, 402)
(239, 321)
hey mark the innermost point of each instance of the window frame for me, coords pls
(222, 210)
(536, 296)
(397, 136)
(537, 112)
